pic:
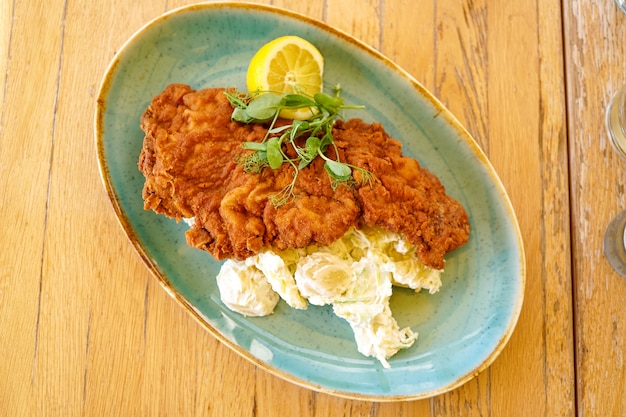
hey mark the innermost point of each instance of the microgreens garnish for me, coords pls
(316, 133)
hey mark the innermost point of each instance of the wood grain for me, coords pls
(25, 151)
(86, 330)
(596, 56)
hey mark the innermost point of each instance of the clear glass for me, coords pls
(615, 235)
(616, 121)
(615, 243)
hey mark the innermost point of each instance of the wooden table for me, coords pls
(86, 330)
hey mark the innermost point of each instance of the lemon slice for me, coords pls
(288, 64)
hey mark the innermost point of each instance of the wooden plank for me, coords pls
(528, 145)
(84, 254)
(26, 139)
(6, 26)
(596, 68)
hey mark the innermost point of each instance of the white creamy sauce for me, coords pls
(355, 275)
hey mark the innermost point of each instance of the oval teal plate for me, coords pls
(461, 329)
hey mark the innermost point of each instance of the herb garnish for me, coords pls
(316, 133)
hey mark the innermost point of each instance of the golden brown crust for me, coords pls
(189, 159)
(407, 198)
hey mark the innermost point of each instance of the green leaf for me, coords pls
(338, 170)
(274, 154)
(312, 146)
(309, 152)
(332, 104)
(297, 127)
(240, 115)
(327, 139)
(300, 125)
(263, 107)
(297, 101)
(254, 146)
(278, 129)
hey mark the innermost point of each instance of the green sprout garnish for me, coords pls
(316, 130)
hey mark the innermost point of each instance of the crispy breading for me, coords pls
(407, 198)
(190, 161)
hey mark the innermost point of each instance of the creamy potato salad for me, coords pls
(355, 275)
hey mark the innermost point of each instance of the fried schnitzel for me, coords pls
(189, 159)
